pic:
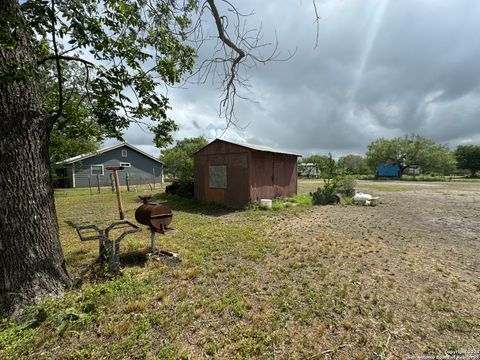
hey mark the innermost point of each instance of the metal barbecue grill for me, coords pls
(156, 216)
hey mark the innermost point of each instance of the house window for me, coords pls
(217, 176)
(125, 164)
(124, 153)
(96, 170)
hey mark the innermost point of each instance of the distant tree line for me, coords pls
(406, 152)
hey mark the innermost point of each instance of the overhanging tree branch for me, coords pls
(63, 57)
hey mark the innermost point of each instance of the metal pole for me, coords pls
(152, 241)
(119, 195)
(98, 183)
(90, 184)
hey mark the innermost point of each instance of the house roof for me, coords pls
(81, 157)
(253, 147)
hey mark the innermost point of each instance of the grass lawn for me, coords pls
(248, 286)
(202, 306)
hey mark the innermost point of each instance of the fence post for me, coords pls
(119, 195)
(127, 176)
(153, 172)
(90, 184)
(111, 182)
(98, 183)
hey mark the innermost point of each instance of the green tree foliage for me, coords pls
(412, 150)
(76, 130)
(179, 159)
(63, 145)
(354, 164)
(134, 47)
(130, 51)
(334, 181)
(468, 158)
(323, 162)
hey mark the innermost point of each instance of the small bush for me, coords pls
(277, 204)
(346, 186)
(301, 199)
(183, 188)
(324, 196)
(347, 201)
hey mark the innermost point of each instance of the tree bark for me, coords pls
(32, 264)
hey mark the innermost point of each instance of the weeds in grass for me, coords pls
(251, 284)
(302, 200)
(458, 323)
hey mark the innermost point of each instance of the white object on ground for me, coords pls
(362, 197)
(367, 199)
(266, 203)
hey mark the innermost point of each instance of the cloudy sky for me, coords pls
(382, 68)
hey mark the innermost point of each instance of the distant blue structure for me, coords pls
(388, 170)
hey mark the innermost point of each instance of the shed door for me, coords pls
(284, 174)
(216, 181)
(279, 178)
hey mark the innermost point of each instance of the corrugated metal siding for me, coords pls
(235, 159)
(273, 175)
(141, 171)
(251, 174)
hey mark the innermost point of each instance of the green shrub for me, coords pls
(324, 196)
(346, 186)
(301, 199)
(335, 181)
(347, 201)
(183, 188)
(277, 204)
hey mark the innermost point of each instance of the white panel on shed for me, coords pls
(217, 176)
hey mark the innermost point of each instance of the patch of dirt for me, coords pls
(415, 254)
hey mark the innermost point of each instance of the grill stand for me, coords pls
(108, 249)
(162, 254)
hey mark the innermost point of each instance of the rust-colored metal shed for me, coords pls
(235, 174)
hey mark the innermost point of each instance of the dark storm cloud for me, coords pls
(381, 69)
(420, 75)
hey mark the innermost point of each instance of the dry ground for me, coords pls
(333, 282)
(416, 253)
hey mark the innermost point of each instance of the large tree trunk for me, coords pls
(32, 264)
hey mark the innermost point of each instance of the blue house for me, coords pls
(388, 170)
(85, 170)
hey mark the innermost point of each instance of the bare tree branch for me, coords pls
(316, 22)
(237, 49)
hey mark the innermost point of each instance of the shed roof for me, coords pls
(81, 157)
(253, 147)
